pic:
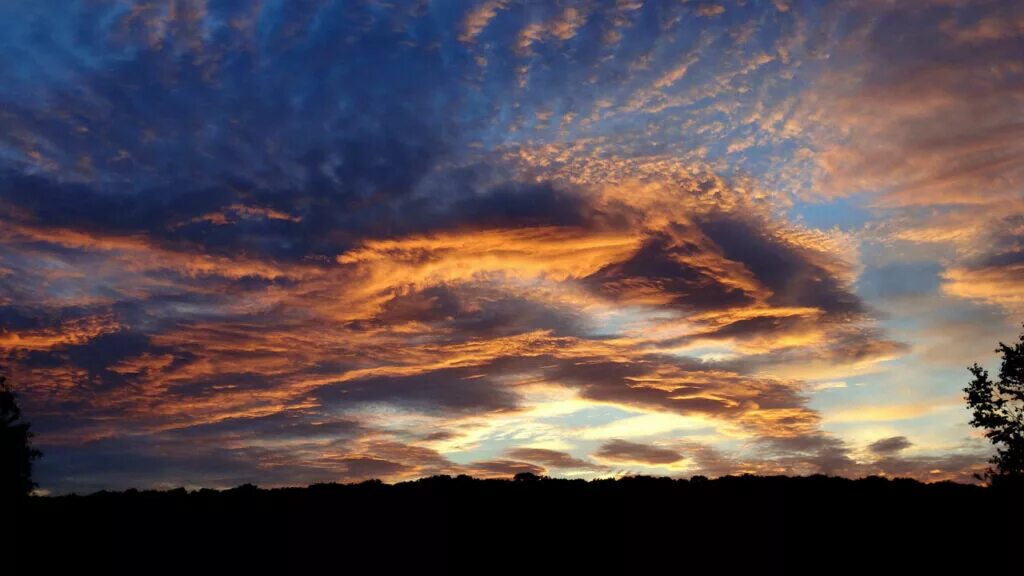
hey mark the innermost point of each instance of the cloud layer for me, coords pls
(291, 242)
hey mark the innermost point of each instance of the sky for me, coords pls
(287, 242)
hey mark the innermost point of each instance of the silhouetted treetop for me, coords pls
(16, 452)
(998, 407)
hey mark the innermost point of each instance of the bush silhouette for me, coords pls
(16, 452)
(998, 407)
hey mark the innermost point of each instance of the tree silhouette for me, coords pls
(16, 452)
(998, 407)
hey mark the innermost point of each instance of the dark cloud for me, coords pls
(552, 458)
(502, 468)
(476, 312)
(659, 270)
(22, 318)
(886, 446)
(810, 453)
(454, 389)
(790, 273)
(711, 462)
(281, 426)
(102, 352)
(623, 451)
(518, 204)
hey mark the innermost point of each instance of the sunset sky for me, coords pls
(286, 242)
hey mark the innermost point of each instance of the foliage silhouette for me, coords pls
(438, 525)
(998, 407)
(16, 451)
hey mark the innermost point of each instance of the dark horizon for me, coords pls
(442, 525)
(977, 483)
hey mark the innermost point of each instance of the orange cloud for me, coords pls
(67, 333)
(477, 19)
(1000, 285)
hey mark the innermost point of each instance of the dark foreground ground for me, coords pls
(436, 525)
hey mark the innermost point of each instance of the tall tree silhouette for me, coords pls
(16, 452)
(998, 407)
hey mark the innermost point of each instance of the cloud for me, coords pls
(629, 452)
(954, 467)
(890, 412)
(477, 19)
(919, 111)
(909, 82)
(991, 272)
(216, 230)
(502, 469)
(995, 284)
(563, 26)
(891, 445)
(450, 389)
(708, 10)
(552, 458)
